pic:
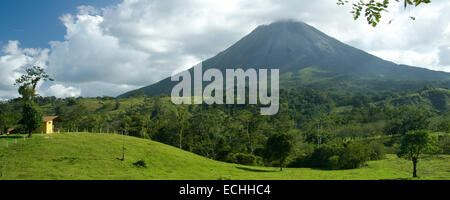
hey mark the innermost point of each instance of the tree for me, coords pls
(74, 116)
(8, 119)
(413, 145)
(284, 122)
(207, 128)
(181, 121)
(354, 155)
(31, 118)
(278, 148)
(410, 118)
(125, 124)
(374, 8)
(28, 82)
(245, 117)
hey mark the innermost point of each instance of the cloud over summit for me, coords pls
(107, 51)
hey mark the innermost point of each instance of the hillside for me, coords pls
(95, 156)
(435, 98)
(307, 57)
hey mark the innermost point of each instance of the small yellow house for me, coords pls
(8, 131)
(11, 130)
(48, 124)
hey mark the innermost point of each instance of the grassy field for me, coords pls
(97, 156)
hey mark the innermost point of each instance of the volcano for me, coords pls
(306, 57)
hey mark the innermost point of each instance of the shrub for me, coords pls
(340, 155)
(319, 158)
(71, 101)
(444, 126)
(300, 161)
(444, 143)
(333, 162)
(377, 151)
(353, 156)
(140, 163)
(242, 158)
(278, 148)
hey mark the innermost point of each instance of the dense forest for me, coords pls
(326, 130)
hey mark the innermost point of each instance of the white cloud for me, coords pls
(414, 58)
(90, 55)
(99, 88)
(62, 91)
(417, 42)
(177, 34)
(12, 65)
(444, 55)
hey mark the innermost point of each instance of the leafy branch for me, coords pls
(373, 9)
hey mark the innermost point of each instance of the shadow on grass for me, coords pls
(256, 170)
(70, 160)
(396, 179)
(328, 168)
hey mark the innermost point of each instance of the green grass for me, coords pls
(97, 156)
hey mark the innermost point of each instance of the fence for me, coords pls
(10, 145)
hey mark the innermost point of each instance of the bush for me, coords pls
(354, 156)
(300, 161)
(333, 162)
(71, 101)
(340, 155)
(278, 148)
(377, 150)
(319, 158)
(242, 158)
(140, 163)
(444, 126)
(444, 143)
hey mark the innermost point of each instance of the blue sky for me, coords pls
(36, 22)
